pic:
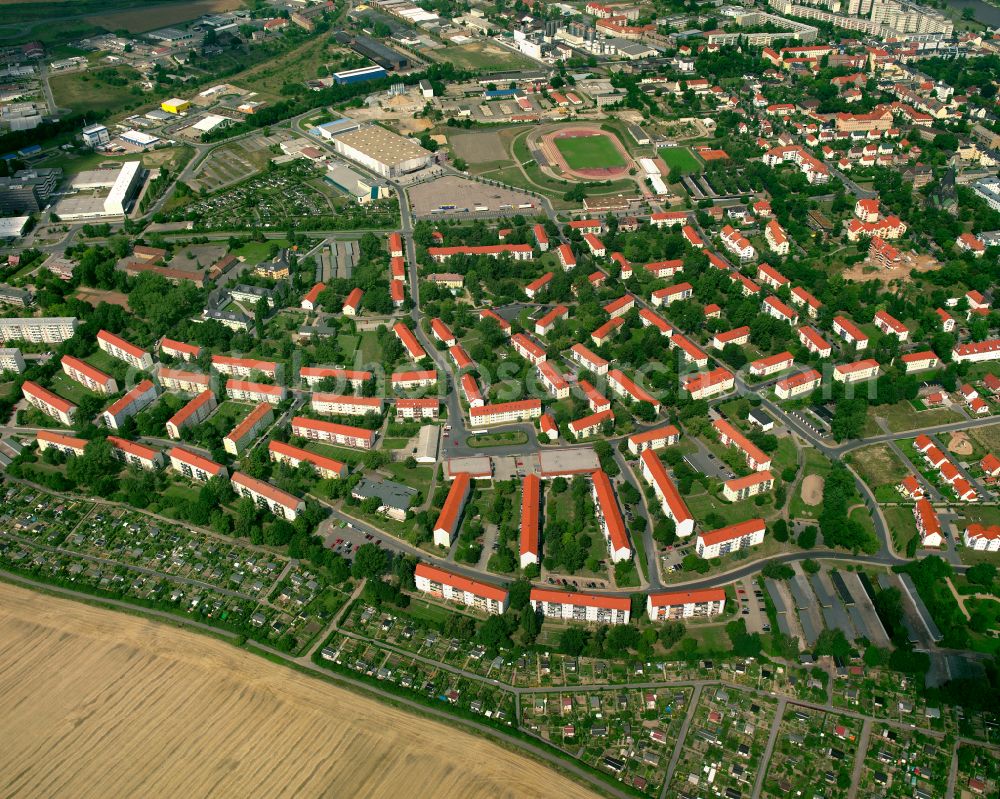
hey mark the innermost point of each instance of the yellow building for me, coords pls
(175, 106)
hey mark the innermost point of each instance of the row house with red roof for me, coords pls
(327, 468)
(798, 385)
(123, 350)
(452, 587)
(267, 496)
(133, 454)
(670, 498)
(580, 607)
(142, 395)
(248, 429)
(195, 411)
(194, 466)
(676, 605)
(732, 538)
(708, 384)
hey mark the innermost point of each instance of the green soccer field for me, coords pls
(680, 159)
(590, 152)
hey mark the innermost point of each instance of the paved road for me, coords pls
(859, 759)
(765, 760)
(681, 737)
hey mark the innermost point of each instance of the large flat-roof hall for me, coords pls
(382, 151)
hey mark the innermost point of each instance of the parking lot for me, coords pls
(456, 195)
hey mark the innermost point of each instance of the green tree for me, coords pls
(369, 561)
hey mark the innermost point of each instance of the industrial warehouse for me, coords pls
(89, 200)
(386, 153)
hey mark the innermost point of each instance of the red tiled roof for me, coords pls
(120, 343)
(131, 397)
(732, 531)
(258, 388)
(82, 366)
(665, 599)
(268, 367)
(130, 447)
(59, 438)
(452, 509)
(420, 374)
(266, 490)
(180, 346)
(250, 421)
(577, 598)
(475, 587)
(530, 489)
(188, 410)
(678, 508)
(334, 428)
(609, 510)
(196, 460)
(299, 454)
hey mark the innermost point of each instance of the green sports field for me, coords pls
(680, 159)
(590, 152)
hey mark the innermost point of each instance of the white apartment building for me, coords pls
(665, 605)
(733, 538)
(39, 330)
(195, 467)
(195, 411)
(123, 350)
(345, 405)
(575, 606)
(88, 376)
(48, 403)
(265, 495)
(456, 588)
(128, 406)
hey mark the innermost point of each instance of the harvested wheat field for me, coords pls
(95, 703)
(812, 489)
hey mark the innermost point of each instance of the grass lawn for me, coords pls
(710, 638)
(343, 454)
(422, 610)
(87, 93)
(901, 525)
(903, 416)
(815, 463)
(498, 439)
(394, 443)
(348, 343)
(988, 437)
(703, 504)
(476, 56)
(784, 456)
(680, 159)
(419, 477)
(109, 365)
(590, 152)
(256, 251)
(983, 514)
(69, 389)
(878, 465)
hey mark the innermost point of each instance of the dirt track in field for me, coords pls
(95, 703)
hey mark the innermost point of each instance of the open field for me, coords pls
(589, 152)
(680, 159)
(97, 296)
(156, 16)
(87, 92)
(878, 465)
(482, 56)
(134, 707)
(988, 437)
